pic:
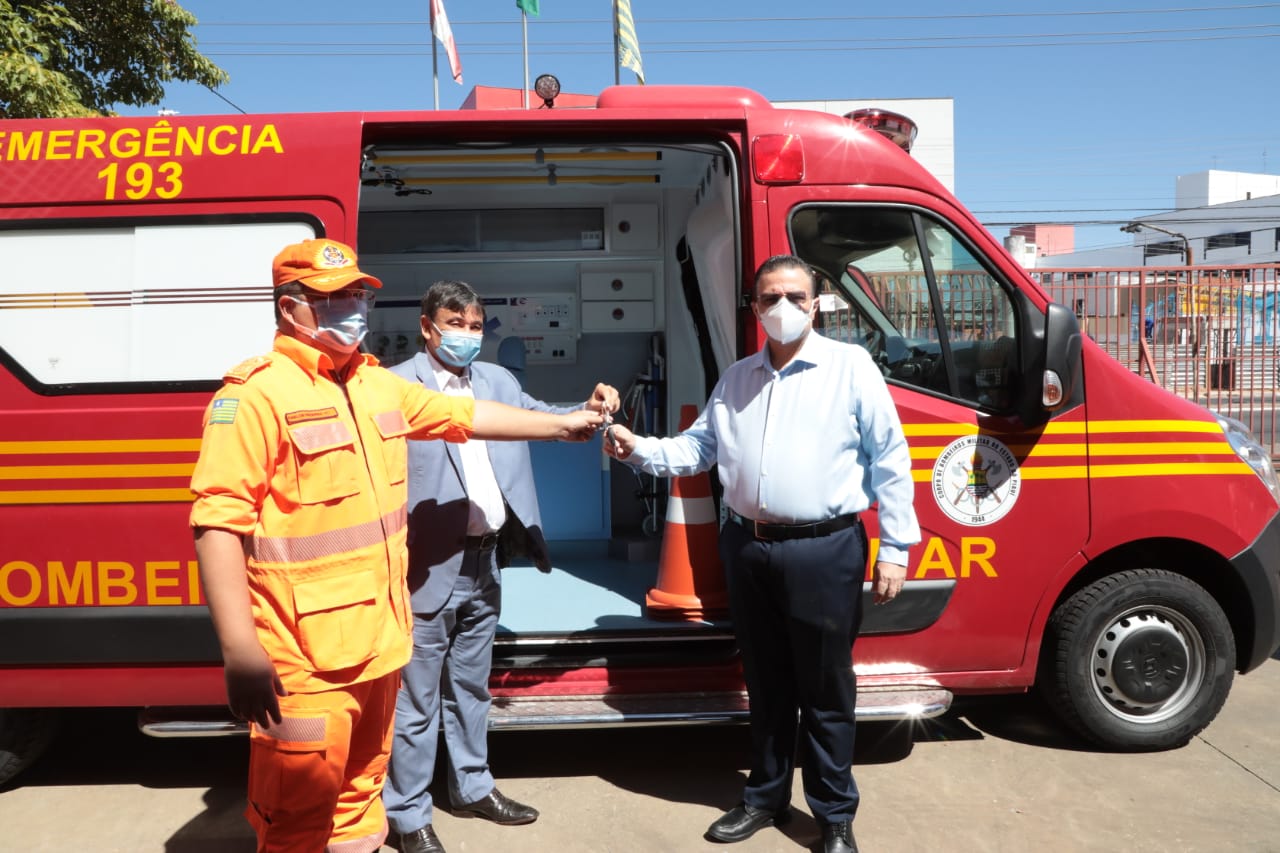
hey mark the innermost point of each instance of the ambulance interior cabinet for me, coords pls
(617, 300)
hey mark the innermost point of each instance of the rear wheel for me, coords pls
(24, 734)
(1139, 660)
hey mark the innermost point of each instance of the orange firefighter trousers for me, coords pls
(315, 779)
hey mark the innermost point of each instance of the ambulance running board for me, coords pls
(533, 712)
(553, 712)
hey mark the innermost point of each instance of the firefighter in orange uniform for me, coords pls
(300, 524)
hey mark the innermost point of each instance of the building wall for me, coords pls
(1219, 187)
(1048, 239)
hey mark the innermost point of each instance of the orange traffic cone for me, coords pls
(691, 583)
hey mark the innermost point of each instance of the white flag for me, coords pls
(440, 29)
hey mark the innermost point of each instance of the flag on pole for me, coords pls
(527, 8)
(440, 29)
(624, 28)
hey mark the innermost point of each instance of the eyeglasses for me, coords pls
(795, 297)
(340, 297)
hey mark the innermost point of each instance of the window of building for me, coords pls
(1227, 241)
(1163, 247)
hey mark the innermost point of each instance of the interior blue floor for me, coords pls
(587, 590)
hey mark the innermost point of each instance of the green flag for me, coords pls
(529, 7)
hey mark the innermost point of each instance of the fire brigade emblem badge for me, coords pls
(333, 256)
(976, 480)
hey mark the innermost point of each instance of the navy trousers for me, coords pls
(796, 606)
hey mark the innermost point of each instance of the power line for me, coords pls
(766, 20)
(807, 43)
(1262, 220)
(224, 97)
(606, 49)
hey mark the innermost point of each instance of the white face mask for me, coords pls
(785, 322)
(341, 324)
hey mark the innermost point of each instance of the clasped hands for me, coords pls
(595, 413)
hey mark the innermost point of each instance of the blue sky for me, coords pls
(1063, 113)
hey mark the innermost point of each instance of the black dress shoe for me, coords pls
(838, 838)
(420, 841)
(498, 808)
(743, 821)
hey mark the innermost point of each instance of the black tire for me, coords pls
(1137, 661)
(24, 734)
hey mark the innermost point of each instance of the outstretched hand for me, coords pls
(619, 442)
(580, 425)
(604, 399)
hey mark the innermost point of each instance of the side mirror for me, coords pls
(1050, 345)
(1061, 358)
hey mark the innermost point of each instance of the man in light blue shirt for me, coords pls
(805, 437)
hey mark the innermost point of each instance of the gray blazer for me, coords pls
(438, 504)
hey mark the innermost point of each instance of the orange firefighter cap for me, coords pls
(324, 265)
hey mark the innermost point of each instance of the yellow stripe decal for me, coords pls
(124, 445)
(94, 472)
(1080, 472)
(1167, 469)
(1154, 426)
(1071, 428)
(97, 496)
(940, 429)
(1155, 448)
(1129, 448)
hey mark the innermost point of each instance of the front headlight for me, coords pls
(1251, 451)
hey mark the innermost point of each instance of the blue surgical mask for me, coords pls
(458, 349)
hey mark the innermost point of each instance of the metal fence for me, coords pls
(1209, 334)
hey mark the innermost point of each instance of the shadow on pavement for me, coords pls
(220, 828)
(701, 765)
(1024, 719)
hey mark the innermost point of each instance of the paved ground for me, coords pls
(993, 775)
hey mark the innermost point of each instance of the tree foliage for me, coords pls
(81, 57)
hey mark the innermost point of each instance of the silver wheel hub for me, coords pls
(1147, 664)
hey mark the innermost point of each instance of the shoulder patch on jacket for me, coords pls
(242, 371)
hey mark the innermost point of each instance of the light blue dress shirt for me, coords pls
(817, 439)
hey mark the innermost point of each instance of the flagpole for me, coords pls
(524, 31)
(617, 47)
(435, 74)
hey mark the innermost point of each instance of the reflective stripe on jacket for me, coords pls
(311, 472)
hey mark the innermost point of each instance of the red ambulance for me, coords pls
(1084, 530)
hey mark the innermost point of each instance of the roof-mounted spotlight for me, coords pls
(547, 87)
(895, 127)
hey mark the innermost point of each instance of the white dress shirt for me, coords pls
(487, 512)
(817, 439)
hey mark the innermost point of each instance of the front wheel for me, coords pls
(1139, 660)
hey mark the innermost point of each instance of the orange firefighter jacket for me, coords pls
(309, 468)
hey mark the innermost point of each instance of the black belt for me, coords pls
(486, 542)
(770, 531)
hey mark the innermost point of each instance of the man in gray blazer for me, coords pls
(465, 502)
